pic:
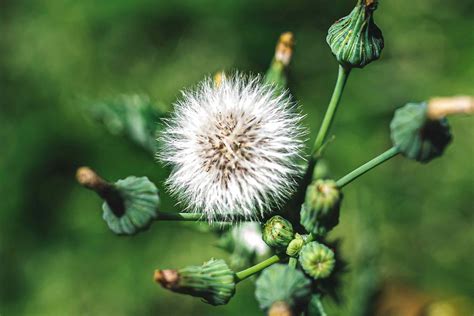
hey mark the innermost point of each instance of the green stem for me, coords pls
(292, 263)
(342, 76)
(169, 216)
(392, 152)
(244, 274)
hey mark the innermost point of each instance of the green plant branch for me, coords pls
(392, 152)
(171, 216)
(342, 76)
(244, 274)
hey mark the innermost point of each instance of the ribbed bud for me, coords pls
(416, 135)
(277, 232)
(130, 205)
(284, 287)
(317, 260)
(320, 211)
(276, 73)
(355, 39)
(214, 282)
(295, 246)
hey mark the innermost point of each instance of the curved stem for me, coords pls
(244, 274)
(392, 152)
(342, 76)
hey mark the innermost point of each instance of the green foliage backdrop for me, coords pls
(57, 256)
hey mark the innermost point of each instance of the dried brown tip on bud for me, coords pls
(218, 76)
(284, 48)
(280, 308)
(91, 180)
(167, 278)
(441, 107)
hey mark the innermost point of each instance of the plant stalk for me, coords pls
(342, 77)
(244, 274)
(170, 216)
(392, 152)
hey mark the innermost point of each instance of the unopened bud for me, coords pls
(320, 211)
(295, 246)
(355, 39)
(317, 260)
(276, 74)
(277, 232)
(214, 281)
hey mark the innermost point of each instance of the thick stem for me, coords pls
(342, 76)
(392, 152)
(244, 274)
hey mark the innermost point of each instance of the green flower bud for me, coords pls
(317, 260)
(355, 39)
(416, 135)
(276, 74)
(283, 285)
(131, 204)
(214, 282)
(295, 246)
(320, 211)
(277, 232)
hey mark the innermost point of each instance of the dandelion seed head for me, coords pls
(233, 148)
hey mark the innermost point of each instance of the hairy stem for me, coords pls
(244, 274)
(392, 152)
(342, 76)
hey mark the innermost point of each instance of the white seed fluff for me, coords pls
(233, 148)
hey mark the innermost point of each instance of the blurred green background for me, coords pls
(57, 256)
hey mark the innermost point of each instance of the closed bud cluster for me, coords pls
(317, 260)
(214, 281)
(417, 136)
(277, 232)
(355, 39)
(320, 211)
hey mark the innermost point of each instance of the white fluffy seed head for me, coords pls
(233, 148)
